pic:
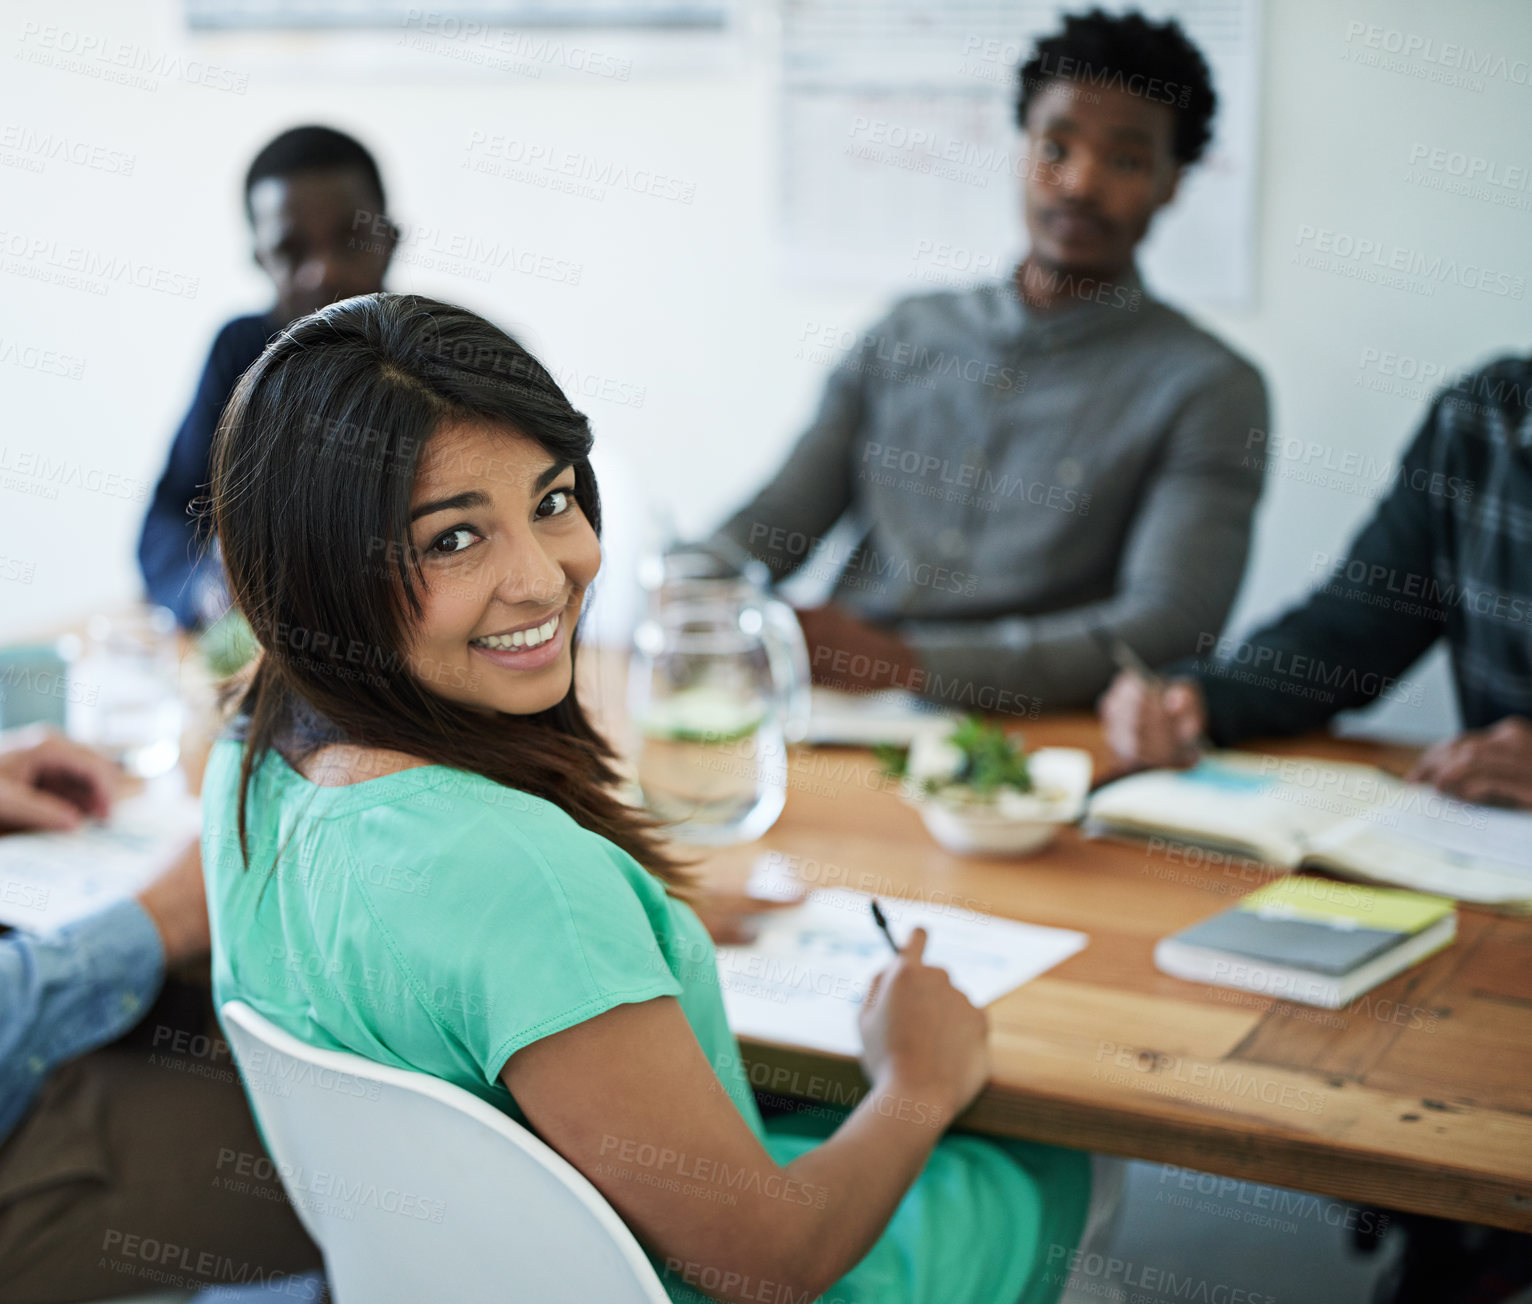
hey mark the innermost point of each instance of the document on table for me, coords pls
(839, 719)
(801, 982)
(48, 880)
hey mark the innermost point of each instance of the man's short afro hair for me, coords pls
(1128, 52)
(313, 149)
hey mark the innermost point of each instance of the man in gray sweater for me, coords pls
(1045, 465)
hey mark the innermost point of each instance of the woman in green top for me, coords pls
(414, 851)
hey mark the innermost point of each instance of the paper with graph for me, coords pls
(802, 980)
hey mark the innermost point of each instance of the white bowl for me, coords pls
(1015, 823)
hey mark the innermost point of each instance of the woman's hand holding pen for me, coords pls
(1153, 722)
(921, 1037)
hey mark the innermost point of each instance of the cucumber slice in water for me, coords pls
(704, 714)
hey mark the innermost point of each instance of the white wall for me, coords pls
(683, 301)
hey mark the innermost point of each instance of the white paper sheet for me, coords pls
(1472, 833)
(801, 982)
(862, 719)
(48, 880)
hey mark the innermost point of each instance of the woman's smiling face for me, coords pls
(506, 556)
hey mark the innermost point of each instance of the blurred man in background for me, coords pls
(1447, 554)
(316, 206)
(1048, 463)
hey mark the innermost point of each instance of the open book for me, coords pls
(1352, 820)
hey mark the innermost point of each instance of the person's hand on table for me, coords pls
(50, 784)
(176, 902)
(1491, 765)
(850, 654)
(1151, 724)
(730, 917)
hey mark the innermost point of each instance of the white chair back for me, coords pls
(417, 1190)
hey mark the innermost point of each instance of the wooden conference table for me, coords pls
(1416, 1097)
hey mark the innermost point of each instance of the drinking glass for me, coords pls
(124, 689)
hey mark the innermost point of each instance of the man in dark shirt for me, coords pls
(1448, 554)
(315, 201)
(1047, 462)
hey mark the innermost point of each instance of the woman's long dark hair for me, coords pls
(313, 466)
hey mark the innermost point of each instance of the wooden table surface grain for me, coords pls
(1417, 1096)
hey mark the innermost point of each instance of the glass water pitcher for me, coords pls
(718, 685)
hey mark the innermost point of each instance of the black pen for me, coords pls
(1128, 660)
(882, 923)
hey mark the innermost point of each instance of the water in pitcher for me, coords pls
(713, 765)
(707, 714)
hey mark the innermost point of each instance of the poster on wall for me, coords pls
(215, 15)
(900, 159)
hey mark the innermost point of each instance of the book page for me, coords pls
(1424, 840)
(1350, 819)
(1466, 832)
(1271, 806)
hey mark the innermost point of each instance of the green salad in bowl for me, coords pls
(980, 791)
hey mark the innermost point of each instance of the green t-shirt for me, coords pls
(433, 920)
